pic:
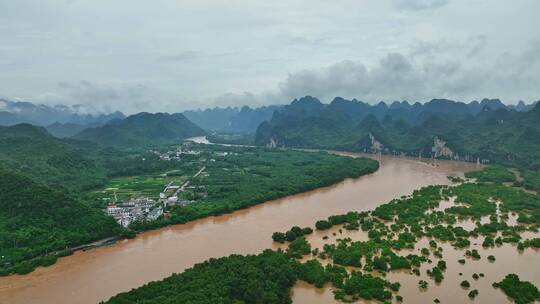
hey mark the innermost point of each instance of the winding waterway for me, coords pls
(95, 275)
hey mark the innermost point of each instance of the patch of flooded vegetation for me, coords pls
(442, 244)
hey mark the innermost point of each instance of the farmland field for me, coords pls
(124, 188)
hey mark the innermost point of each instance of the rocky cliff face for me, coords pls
(441, 150)
(370, 144)
(273, 143)
(376, 146)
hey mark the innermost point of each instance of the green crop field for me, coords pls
(123, 188)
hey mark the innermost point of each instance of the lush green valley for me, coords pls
(53, 189)
(269, 152)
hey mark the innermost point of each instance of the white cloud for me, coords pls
(421, 76)
(421, 4)
(93, 97)
(175, 55)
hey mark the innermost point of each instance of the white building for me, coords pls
(154, 214)
(134, 210)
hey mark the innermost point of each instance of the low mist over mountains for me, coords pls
(236, 120)
(14, 112)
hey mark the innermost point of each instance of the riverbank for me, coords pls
(234, 178)
(95, 275)
(99, 243)
(398, 243)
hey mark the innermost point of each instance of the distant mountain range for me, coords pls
(65, 130)
(246, 120)
(142, 129)
(232, 120)
(112, 129)
(485, 130)
(64, 121)
(398, 127)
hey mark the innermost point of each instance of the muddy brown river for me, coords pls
(508, 260)
(96, 275)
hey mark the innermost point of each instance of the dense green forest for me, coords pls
(37, 224)
(232, 139)
(522, 292)
(390, 228)
(69, 164)
(495, 174)
(57, 162)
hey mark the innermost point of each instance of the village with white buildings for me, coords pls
(147, 209)
(138, 209)
(176, 154)
(182, 151)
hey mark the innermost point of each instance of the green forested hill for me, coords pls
(41, 178)
(36, 220)
(142, 129)
(68, 163)
(65, 130)
(63, 163)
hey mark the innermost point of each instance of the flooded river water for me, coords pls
(96, 275)
(508, 260)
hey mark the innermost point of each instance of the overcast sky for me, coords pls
(175, 55)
